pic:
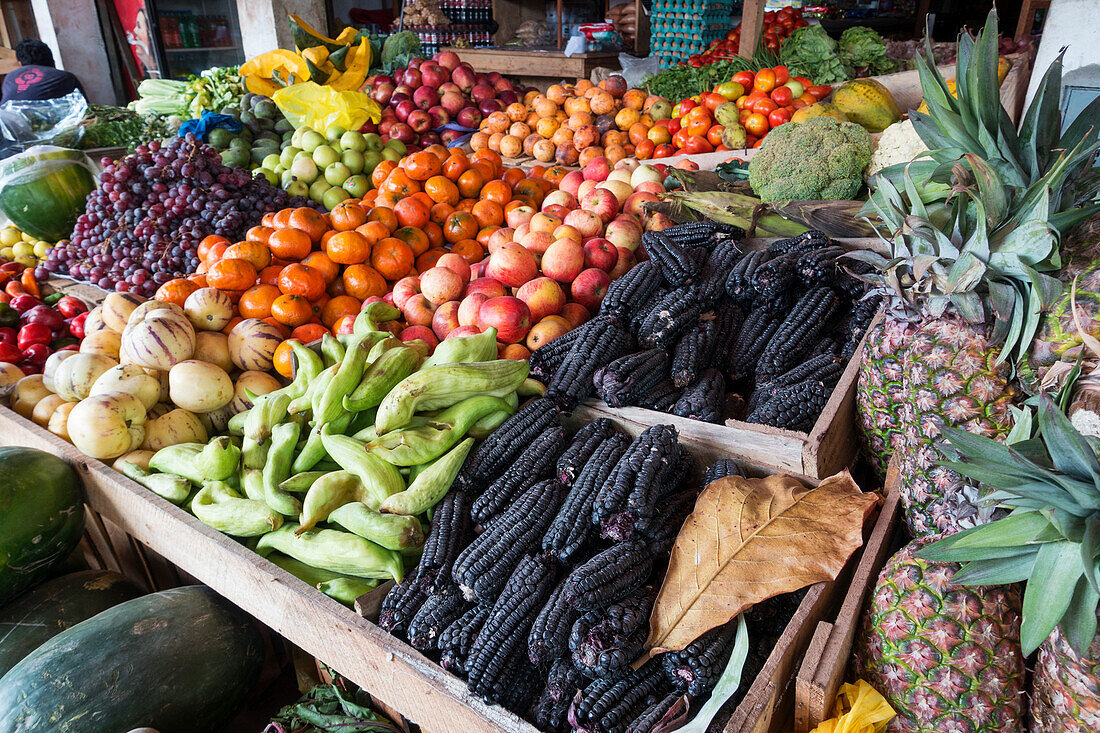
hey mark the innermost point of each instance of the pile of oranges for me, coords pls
(309, 273)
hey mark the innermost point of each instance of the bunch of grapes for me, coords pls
(142, 226)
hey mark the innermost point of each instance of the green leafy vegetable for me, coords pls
(863, 49)
(325, 708)
(398, 49)
(681, 82)
(810, 52)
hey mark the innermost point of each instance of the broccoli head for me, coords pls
(398, 48)
(812, 160)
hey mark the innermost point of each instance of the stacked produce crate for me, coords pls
(680, 28)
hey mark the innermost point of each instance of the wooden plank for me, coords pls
(821, 675)
(535, 62)
(752, 27)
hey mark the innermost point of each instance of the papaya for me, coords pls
(868, 103)
(821, 109)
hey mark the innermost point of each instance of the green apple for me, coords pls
(373, 140)
(353, 140)
(296, 136)
(357, 185)
(271, 176)
(297, 188)
(334, 196)
(371, 159)
(337, 173)
(324, 156)
(286, 178)
(398, 146)
(279, 169)
(270, 161)
(317, 189)
(334, 133)
(353, 159)
(304, 169)
(310, 140)
(389, 153)
(289, 154)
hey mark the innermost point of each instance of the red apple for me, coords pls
(454, 262)
(575, 313)
(439, 116)
(404, 289)
(425, 334)
(404, 108)
(585, 188)
(449, 60)
(588, 223)
(560, 198)
(418, 311)
(601, 202)
(445, 319)
(425, 97)
(433, 75)
(571, 182)
(510, 316)
(620, 190)
(597, 169)
(657, 222)
(635, 201)
(537, 242)
(543, 296)
(589, 287)
(499, 238)
(626, 260)
(419, 120)
(463, 75)
(453, 102)
(513, 265)
(544, 222)
(567, 232)
(599, 253)
(624, 232)
(441, 284)
(469, 307)
(649, 187)
(464, 331)
(547, 329)
(563, 260)
(487, 286)
(556, 210)
(519, 215)
(469, 117)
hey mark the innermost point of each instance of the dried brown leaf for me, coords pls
(751, 539)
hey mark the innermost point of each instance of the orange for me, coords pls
(198, 279)
(498, 191)
(231, 275)
(435, 233)
(373, 231)
(281, 219)
(455, 166)
(254, 252)
(175, 291)
(531, 188)
(309, 332)
(442, 190)
(485, 233)
(512, 176)
(348, 248)
(412, 212)
(470, 183)
(536, 171)
(399, 182)
(291, 310)
(441, 211)
(460, 225)
(416, 238)
(215, 252)
(280, 327)
(488, 173)
(490, 157)
(256, 301)
(232, 322)
(346, 216)
(322, 263)
(438, 150)
(381, 172)
(488, 212)
(310, 221)
(270, 275)
(363, 281)
(392, 258)
(466, 205)
(427, 259)
(318, 304)
(283, 358)
(258, 234)
(303, 280)
(209, 241)
(469, 250)
(336, 287)
(384, 215)
(290, 243)
(337, 308)
(422, 166)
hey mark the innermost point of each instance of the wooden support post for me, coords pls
(559, 24)
(752, 27)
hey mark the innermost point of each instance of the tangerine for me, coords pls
(427, 259)
(232, 274)
(460, 225)
(303, 280)
(363, 281)
(497, 190)
(290, 243)
(469, 250)
(441, 190)
(441, 211)
(412, 212)
(422, 165)
(291, 310)
(208, 242)
(256, 253)
(470, 183)
(455, 166)
(416, 238)
(281, 219)
(392, 258)
(175, 291)
(310, 221)
(384, 215)
(488, 212)
(347, 215)
(338, 307)
(256, 301)
(309, 332)
(283, 358)
(373, 231)
(348, 248)
(322, 263)
(381, 172)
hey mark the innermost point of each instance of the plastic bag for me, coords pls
(636, 69)
(43, 190)
(57, 121)
(209, 120)
(320, 107)
(859, 709)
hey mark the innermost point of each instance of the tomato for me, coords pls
(698, 144)
(683, 107)
(757, 124)
(796, 88)
(662, 123)
(714, 135)
(750, 141)
(782, 96)
(821, 91)
(663, 151)
(769, 16)
(730, 90)
(799, 103)
(806, 83)
(758, 143)
(773, 46)
(696, 63)
(778, 117)
(743, 102)
(744, 117)
(679, 140)
(782, 74)
(711, 100)
(674, 126)
(764, 106)
(697, 116)
(744, 78)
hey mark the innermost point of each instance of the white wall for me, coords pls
(1070, 23)
(264, 22)
(71, 29)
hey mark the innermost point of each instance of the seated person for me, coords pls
(37, 78)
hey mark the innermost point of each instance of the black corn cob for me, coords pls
(455, 641)
(675, 263)
(548, 638)
(795, 407)
(696, 668)
(572, 526)
(673, 510)
(691, 233)
(482, 569)
(604, 342)
(804, 242)
(820, 266)
(642, 311)
(631, 290)
(609, 576)
(621, 382)
(824, 368)
(661, 398)
(562, 685)
(606, 641)
(401, 604)
(610, 704)
(798, 334)
(772, 281)
(676, 312)
(720, 262)
(739, 281)
(752, 339)
(856, 325)
(627, 499)
(504, 633)
(659, 712)
(732, 231)
(720, 469)
(499, 450)
(547, 359)
(704, 400)
(450, 532)
(437, 613)
(727, 319)
(695, 351)
(516, 688)
(536, 462)
(584, 444)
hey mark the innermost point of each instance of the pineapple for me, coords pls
(1058, 338)
(1051, 485)
(945, 656)
(880, 391)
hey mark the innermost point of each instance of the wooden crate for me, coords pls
(824, 667)
(397, 675)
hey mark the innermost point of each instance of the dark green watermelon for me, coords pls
(181, 661)
(45, 611)
(41, 517)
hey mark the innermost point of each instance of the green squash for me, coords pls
(44, 189)
(41, 517)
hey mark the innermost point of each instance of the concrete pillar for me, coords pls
(71, 29)
(1069, 23)
(264, 22)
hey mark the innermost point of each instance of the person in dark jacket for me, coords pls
(37, 78)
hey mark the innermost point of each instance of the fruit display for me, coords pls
(42, 191)
(33, 327)
(142, 225)
(18, 246)
(263, 130)
(778, 26)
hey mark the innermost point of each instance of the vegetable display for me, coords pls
(816, 159)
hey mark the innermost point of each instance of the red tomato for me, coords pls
(758, 143)
(711, 100)
(750, 141)
(698, 144)
(744, 78)
(679, 140)
(806, 83)
(764, 106)
(714, 135)
(744, 117)
(743, 102)
(799, 103)
(683, 107)
(782, 96)
(757, 124)
(663, 151)
(720, 147)
(699, 115)
(765, 81)
(782, 74)
(674, 126)
(778, 117)
(662, 123)
(821, 91)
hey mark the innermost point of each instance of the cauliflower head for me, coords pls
(813, 160)
(899, 143)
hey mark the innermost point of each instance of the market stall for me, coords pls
(698, 403)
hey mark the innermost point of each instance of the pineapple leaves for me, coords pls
(991, 188)
(1050, 589)
(1069, 451)
(1039, 129)
(983, 86)
(1006, 537)
(1079, 621)
(998, 571)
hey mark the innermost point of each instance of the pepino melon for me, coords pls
(180, 661)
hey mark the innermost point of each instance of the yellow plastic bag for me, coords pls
(320, 107)
(859, 709)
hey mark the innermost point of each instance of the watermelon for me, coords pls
(181, 661)
(41, 517)
(43, 190)
(44, 612)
